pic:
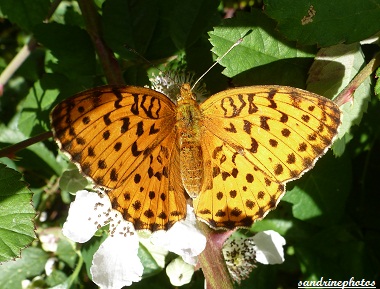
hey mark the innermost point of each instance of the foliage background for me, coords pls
(329, 218)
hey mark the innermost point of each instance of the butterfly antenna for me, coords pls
(240, 40)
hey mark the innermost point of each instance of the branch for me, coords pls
(12, 149)
(107, 59)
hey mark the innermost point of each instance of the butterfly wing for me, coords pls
(256, 139)
(123, 139)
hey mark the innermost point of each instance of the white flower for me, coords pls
(179, 272)
(241, 254)
(183, 238)
(116, 263)
(49, 242)
(269, 247)
(50, 265)
(89, 212)
(25, 284)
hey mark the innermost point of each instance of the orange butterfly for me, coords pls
(232, 154)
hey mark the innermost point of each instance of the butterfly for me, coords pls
(232, 154)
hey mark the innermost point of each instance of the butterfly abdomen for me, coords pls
(189, 138)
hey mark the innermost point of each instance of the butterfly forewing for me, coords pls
(123, 139)
(257, 139)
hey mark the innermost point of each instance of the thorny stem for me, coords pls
(12, 149)
(211, 259)
(346, 94)
(110, 65)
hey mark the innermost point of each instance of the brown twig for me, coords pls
(110, 65)
(12, 149)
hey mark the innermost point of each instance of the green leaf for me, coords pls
(25, 13)
(263, 56)
(155, 35)
(150, 265)
(66, 252)
(16, 214)
(377, 86)
(31, 264)
(278, 225)
(68, 13)
(72, 47)
(64, 285)
(261, 277)
(124, 28)
(332, 70)
(325, 22)
(330, 232)
(72, 181)
(336, 251)
(199, 59)
(34, 117)
(320, 196)
(56, 278)
(279, 220)
(199, 16)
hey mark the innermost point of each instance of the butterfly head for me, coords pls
(186, 94)
(172, 85)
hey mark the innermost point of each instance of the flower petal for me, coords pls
(157, 252)
(116, 263)
(183, 238)
(87, 213)
(269, 247)
(49, 265)
(179, 272)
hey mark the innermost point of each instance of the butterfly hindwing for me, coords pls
(258, 138)
(235, 192)
(152, 197)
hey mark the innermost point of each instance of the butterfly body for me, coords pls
(233, 153)
(189, 135)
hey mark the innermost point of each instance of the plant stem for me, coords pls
(212, 261)
(17, 61)
(110, 65)
(12, 149)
